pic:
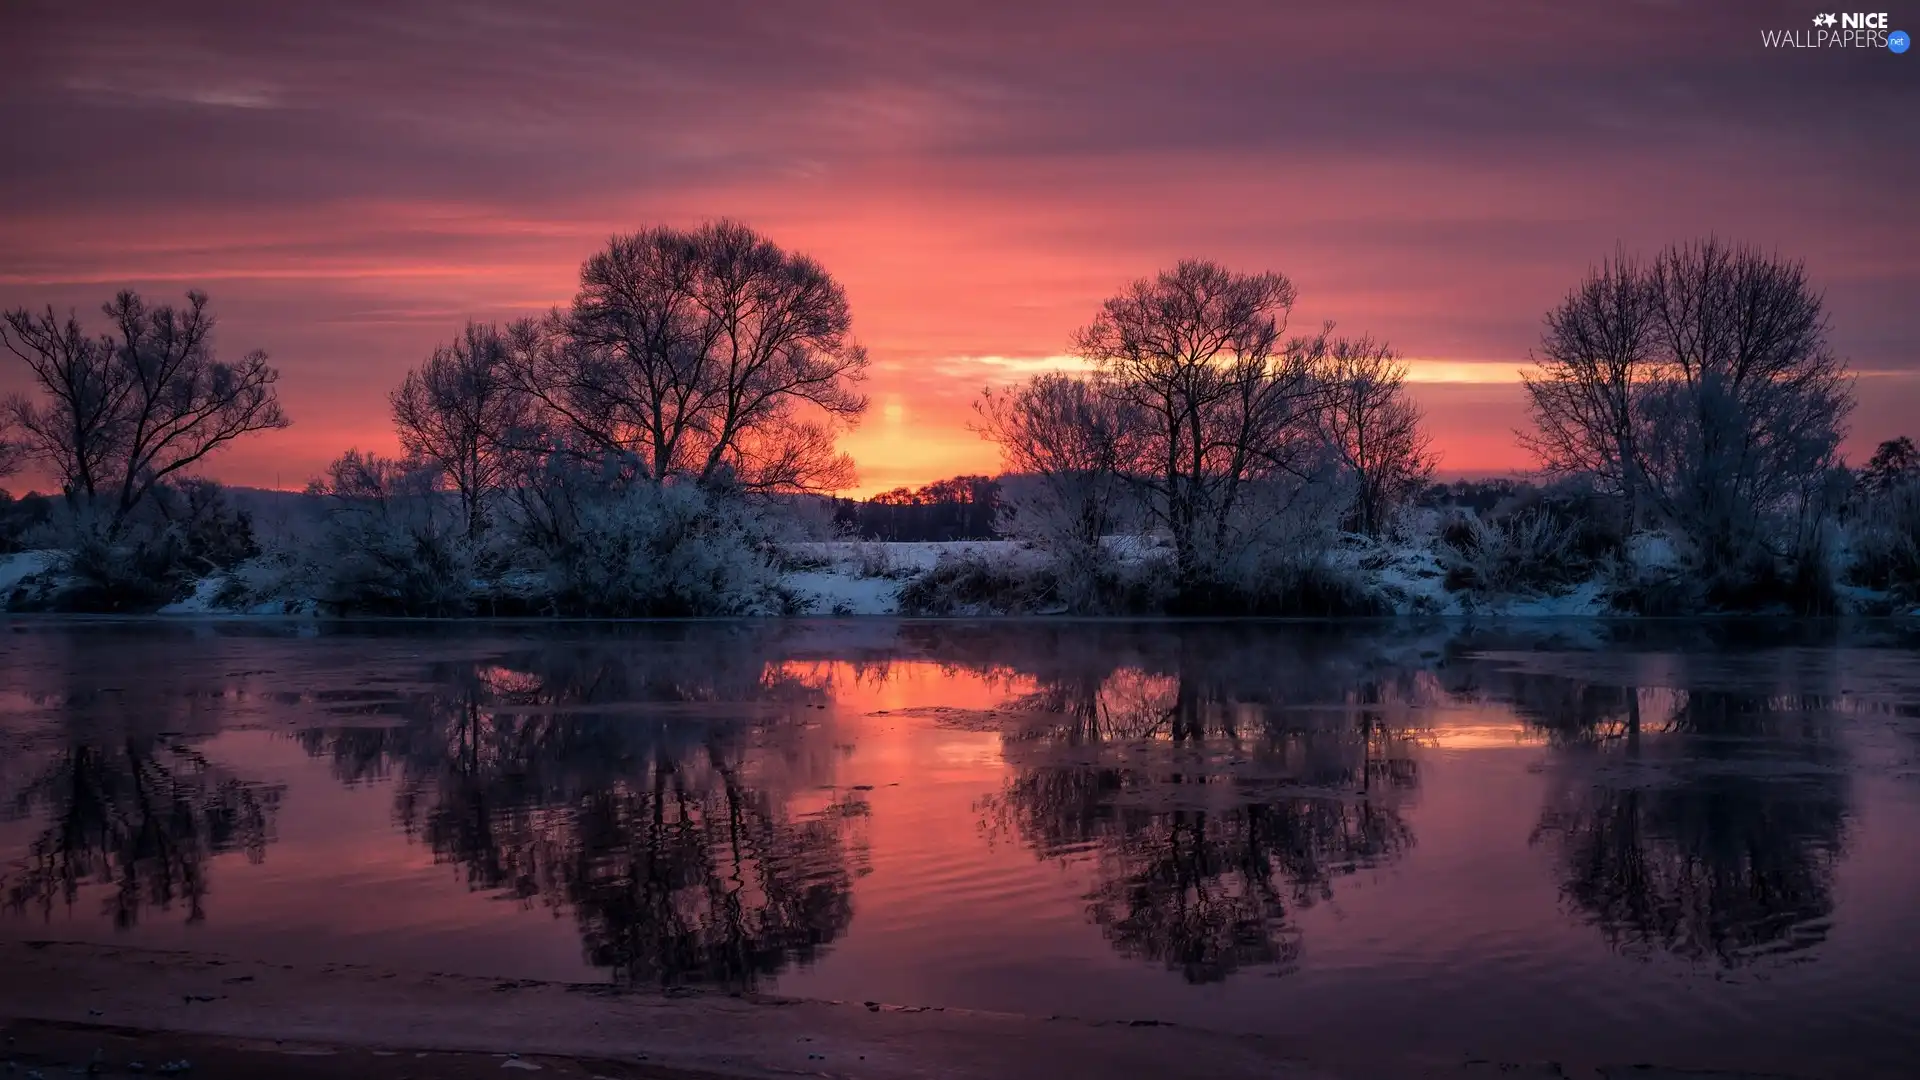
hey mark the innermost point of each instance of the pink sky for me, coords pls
(351, 182)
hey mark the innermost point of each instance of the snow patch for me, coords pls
(835, 593)
(21, 565)
(201, 601)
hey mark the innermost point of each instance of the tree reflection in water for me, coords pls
(643, 788)
(1700, 823)
(130, 803)
(1215, 783)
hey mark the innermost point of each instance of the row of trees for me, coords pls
(958, 508)
(1695, 393)
(1202, 419)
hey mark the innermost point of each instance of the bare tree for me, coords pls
(1702, 389)
(1366, 417)
(75, 430)
(1198, 352)
(709, 354)
(461, 411)
(127, 410)
(1068, 442)
(1596, 352)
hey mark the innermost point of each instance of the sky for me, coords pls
(352, 181)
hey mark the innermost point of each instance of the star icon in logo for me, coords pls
(1824, 20)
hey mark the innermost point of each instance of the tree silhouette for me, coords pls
(1710, 833)
(139, 814)
(1211, 802)
(623, 785)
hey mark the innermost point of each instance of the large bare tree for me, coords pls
(710, 354)
(1199, 353)
(1596, 352)
(1700, 387)
(127, 410)
(1367, 419)
(462, 412)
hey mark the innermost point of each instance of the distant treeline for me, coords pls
(961, 508)
(965, 507)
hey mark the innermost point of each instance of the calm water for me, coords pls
(1677, 843)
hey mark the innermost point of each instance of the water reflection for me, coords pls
(1216, 783)
(673, 791)
(563, 776)
(140, 815)
(1700, 823)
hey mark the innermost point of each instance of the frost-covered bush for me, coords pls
(392, 544)
(21, 517)
(1652, 576)
(1274, 557)
(136, 573)
(1526, 552)
(1592, 522)
(663, 550)
(212, 533)
(969, 583)
(141, 560)
(1081, 567)
(1885, 542)
(1278, 582)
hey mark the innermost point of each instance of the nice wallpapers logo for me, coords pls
(1851, 29)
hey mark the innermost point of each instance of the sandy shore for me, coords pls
(68, 1006)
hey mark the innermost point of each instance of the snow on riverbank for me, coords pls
(849, 578)
(21, 565)
(857, 577)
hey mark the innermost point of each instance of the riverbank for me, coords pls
(67, 1007)
(170, 1005)
(993, 578)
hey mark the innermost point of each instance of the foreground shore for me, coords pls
(71, 1008)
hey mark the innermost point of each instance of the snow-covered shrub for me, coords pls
(392, 544)
(1069, 534)
(1652, 576)
(1527, 552)
(21, 517)
(141, 560)
(1592, 522)
(1277, 582)
(969, 583)
(138, 573)
(663, 550)
(279, 581)
(1885, 542)
(1274, 555)
(871, 560)
(213, 534)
